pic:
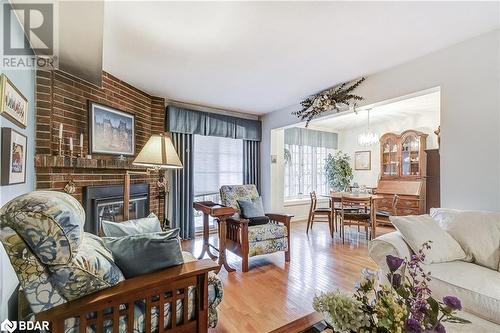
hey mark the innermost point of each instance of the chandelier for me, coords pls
(368, 138)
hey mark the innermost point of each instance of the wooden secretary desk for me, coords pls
(402, 181)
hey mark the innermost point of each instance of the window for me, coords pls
(217, 161)
(305, 170)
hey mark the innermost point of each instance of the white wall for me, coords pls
(468, 75)
(24, 80)
(426, 122)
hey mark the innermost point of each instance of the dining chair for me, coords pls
(358, 212)
(319, 214)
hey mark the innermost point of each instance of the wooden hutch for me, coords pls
(402, 181)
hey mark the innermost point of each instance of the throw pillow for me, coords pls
(418, 229)
(143, 225)
(477, 232)
(91, 269)
(144, 253)
(251, 208)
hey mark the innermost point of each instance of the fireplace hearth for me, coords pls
(106, 202)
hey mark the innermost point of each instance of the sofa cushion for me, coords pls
(266, 231)
(145, 253)
(143, 225)
(50, 222)
(267, 246)
(417, 230)
(477, 287)
(478, 232)
(90, 270)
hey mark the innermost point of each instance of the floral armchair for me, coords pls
(69, 275)
(246, 240)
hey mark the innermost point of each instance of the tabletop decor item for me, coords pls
(14, 145)
(405, 304)
(111, 131)
(338, 171)
(330, 99)
(13, 105)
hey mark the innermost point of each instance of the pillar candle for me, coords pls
(71, 144)
(81, 140)
(60, 130)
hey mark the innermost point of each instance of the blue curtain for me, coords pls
(180, 120)
(251, 163)
(182, 187)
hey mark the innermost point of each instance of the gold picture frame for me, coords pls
(13, 104)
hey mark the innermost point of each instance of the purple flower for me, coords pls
(396, 281)
(440, 328)
(413, 326)
(452, 302)
(393, 262)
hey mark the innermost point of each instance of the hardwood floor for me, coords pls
(273, 294)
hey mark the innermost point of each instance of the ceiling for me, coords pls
(391, 112)
(258, 57)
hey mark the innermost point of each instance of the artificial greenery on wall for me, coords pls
(338, 171)
(329, 99)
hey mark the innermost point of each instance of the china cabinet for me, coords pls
(403, 156)
(402, 181)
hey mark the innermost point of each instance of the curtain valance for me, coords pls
(181, 120)
(307, 137)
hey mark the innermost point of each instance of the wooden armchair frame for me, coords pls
(237, 236)
(155, 289)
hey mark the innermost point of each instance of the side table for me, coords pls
(220, 213)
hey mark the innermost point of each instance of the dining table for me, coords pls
(337, 196)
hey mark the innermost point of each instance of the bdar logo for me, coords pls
(8, 326)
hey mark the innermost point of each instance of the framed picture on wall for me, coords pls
(362, 160)
(13, 105)
(111, 131)
(14, 153)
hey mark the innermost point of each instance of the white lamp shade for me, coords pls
(158, 152)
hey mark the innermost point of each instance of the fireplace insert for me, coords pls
(106, 202)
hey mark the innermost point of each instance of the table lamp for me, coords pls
(158, 153)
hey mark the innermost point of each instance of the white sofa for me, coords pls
(476, 280)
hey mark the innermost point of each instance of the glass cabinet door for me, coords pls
(390, 157)
(410, 156)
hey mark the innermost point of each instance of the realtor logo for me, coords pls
(8, 326)
(38, 24)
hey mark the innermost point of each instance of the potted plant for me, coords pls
(338, 171)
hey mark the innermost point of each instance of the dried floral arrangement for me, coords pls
(329, 99)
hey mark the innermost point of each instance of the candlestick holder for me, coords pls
(71, 157)
(81, 152)
(60, 147)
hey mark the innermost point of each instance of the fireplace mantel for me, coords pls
(50, 161)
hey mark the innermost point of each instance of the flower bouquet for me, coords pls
(403, 305)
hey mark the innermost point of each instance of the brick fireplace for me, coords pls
(62, 98)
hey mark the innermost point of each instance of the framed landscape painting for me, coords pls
(111, 131)
(362, 160)
(13, 105)
(14, 146)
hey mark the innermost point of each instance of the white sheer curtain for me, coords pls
(217, 161)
